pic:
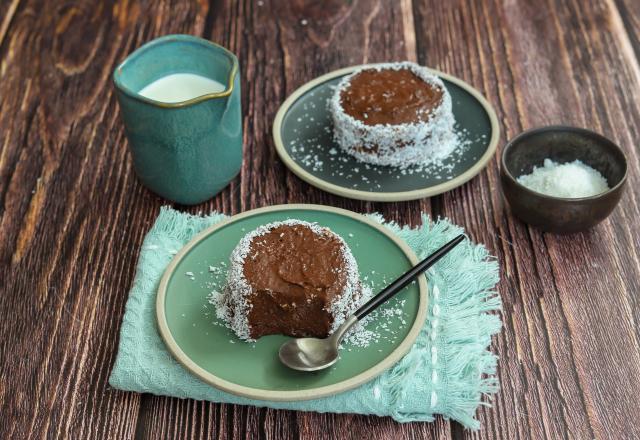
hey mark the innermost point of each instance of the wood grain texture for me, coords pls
(73, 215)
(571, 311)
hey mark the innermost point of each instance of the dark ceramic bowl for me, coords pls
(561, 144)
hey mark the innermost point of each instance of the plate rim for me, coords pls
(397, 196)
(298, 395)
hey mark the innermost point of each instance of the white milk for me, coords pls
(179, 87)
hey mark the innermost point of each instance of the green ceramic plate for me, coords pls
(196, 338)
(303, 138)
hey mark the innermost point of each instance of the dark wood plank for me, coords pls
(72, 215)
(626, 24)
(569, 350)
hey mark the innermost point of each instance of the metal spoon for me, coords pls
(312, 354)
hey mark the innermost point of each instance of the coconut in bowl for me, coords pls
(562, 179)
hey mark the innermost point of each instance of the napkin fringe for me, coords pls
(470, 274)
(181, 227)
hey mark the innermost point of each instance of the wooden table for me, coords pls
(73, 215)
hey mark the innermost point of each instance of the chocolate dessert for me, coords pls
(390, 97)
(393, 114)
(292, 278)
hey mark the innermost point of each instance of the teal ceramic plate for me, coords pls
(198, 340)
(302, 132)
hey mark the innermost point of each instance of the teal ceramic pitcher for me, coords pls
(185, 151)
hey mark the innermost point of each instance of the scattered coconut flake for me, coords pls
(381, 325)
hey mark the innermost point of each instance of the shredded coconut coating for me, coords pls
(233, 304)
(421, 142)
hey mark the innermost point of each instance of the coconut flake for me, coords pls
(571, 180)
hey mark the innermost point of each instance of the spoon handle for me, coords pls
(405, 279)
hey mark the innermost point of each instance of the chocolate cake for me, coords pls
(395, 114)
(293, 278)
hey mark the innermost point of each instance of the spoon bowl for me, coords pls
(309, 354)
(312, 354)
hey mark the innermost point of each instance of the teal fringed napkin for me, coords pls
(447, 371)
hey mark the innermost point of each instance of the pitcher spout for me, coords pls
(148, 64)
